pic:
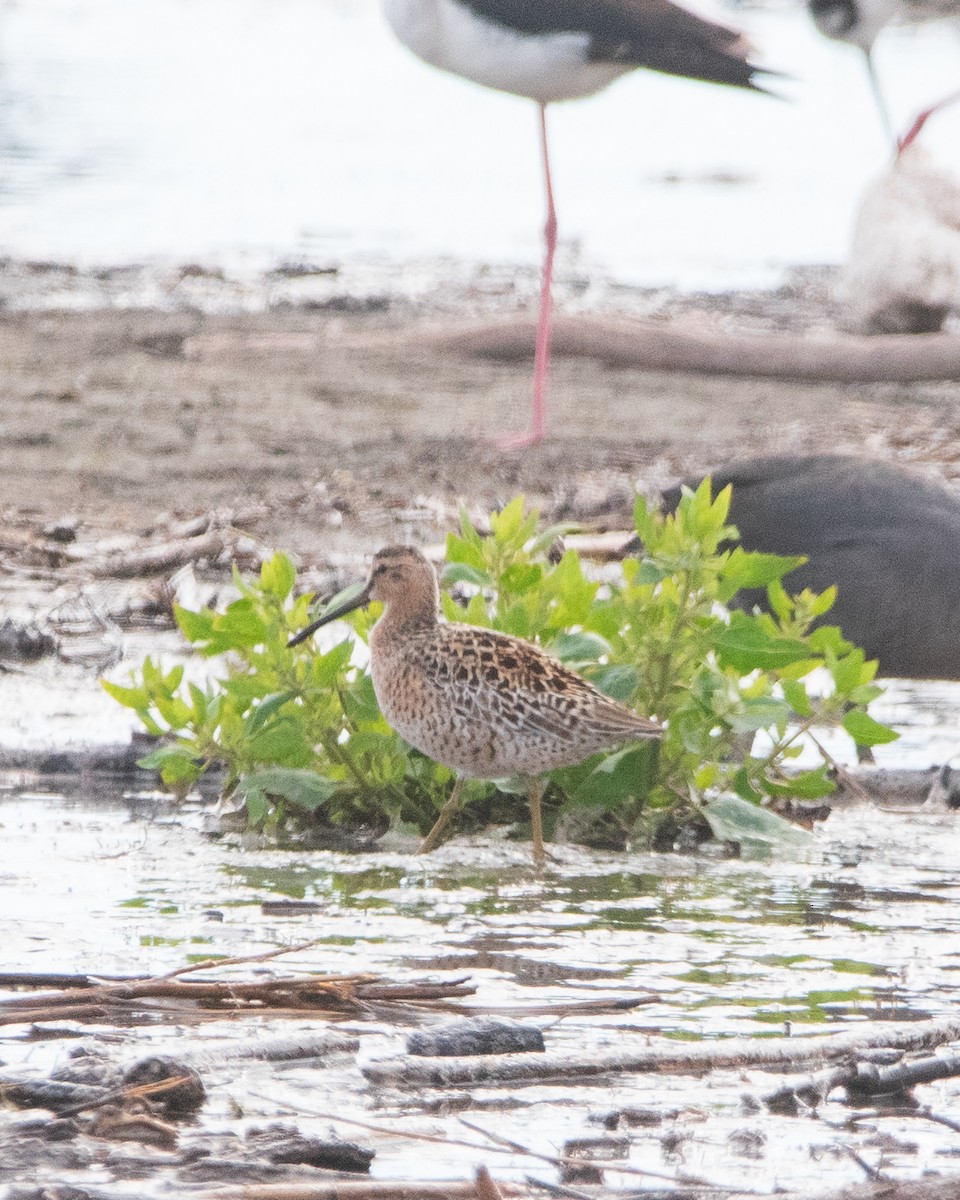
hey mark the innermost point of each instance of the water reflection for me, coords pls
(604, 951)
(251, 131)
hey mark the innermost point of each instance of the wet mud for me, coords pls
(327, 428)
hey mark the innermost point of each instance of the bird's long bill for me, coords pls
(351, 598)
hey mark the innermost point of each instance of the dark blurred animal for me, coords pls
(888, 539)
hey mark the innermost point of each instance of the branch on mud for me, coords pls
(655, 346)
(304, 993)
(374, 1189)
(863, 1082)
(735, 1053)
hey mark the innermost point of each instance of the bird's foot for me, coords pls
(519, 441)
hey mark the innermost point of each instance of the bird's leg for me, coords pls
(443, 820)
(536, 822)
(879, 98)
(911, 135)
(541, 356)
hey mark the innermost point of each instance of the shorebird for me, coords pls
(858, 22)
(903, 272)
(484, 704)
(550, 50)
(887, 538)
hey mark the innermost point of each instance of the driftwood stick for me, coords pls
(872, 1081)
(158, 560)
(299, 993)
(486, 1187)
(885, 1189)
(373, 1189)
(214, 964)
(658, 346)
(732, 1053)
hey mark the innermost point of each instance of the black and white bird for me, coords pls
(551, 50)
(858, 22)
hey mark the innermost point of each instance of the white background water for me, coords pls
(249, 131)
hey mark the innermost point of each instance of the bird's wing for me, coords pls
(657, 34)
(515, 680)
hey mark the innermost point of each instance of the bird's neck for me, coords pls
(409, 613)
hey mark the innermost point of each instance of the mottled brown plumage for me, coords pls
(485, 704)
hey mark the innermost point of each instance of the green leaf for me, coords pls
(805, 785)
(267, 709)
(277, 576)
(242, 625)
(306, 789)
(745, 646)
(760, 712)
(283, 741)
(195, 626)
(258, 807)
(461, 572)
(865, 731)
(618, 777)
(649, 573)
(137, 698)
(579, 648)
(466, 550)
(751, 569)
(327, 669)
(796, 696)
(506, 524)
(847, 671)
(616, 680)
(176, 764)
(521, 577)
(819, 604)
(736, 820)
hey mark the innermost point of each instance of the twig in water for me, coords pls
(498, 1144)
(210, 963)
(870, 1172)
(486, 1187)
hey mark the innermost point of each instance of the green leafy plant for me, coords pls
(741, 693)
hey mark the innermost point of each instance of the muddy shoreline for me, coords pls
(326, 428)
(322, 438)
(310, 410)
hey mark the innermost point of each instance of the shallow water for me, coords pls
(865, 928)
(251, 131)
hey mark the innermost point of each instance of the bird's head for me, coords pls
(400, 576)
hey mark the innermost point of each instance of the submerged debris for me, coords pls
(483, 1035)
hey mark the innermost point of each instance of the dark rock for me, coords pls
(24, 643)
(482, 1035)
(181, 1100)
(285, 1144)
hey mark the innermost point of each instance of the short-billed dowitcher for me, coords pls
(484, 704)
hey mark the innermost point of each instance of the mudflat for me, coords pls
(330, 421)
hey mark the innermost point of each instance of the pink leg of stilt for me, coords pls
(923, 118)
(541, 358)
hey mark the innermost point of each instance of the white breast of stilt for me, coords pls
(904, 269)
(543, 67)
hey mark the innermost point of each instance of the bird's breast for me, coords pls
(543, 67)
